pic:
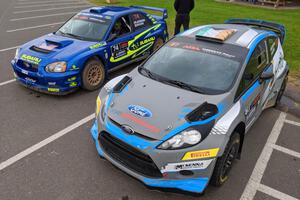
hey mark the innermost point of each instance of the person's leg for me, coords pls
(186, 22)
(178, 23)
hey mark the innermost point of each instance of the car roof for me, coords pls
(243, 35)
(109, 11)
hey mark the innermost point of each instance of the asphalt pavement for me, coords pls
(46, 151)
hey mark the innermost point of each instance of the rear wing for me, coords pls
(162, 10)
(279, 29)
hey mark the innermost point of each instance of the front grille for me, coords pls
(128, 156)
(27, 66)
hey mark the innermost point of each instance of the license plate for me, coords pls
(24, 71)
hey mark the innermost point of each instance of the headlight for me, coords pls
(17, 52)
(98, 106)
(184, 139)
(56, 67)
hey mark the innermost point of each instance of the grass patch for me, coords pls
(210, 11)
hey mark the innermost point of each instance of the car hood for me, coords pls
(164, 107)
(55, 47)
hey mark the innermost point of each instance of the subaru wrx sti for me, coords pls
(88, 46)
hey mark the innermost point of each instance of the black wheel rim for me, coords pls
(229, 160)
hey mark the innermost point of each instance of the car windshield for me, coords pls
(85, 28)
(192, 68)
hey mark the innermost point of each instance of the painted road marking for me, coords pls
(53, 4)
(41, 16)
(7, 82)
(33, 27)
(7, 49)
(48, 9)
(45, 142)
(41, 2)
(286, 150)
(261, 164)
(292, 122)
(275, 193)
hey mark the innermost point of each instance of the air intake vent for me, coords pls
(122, 84)
(40, 50)
(202, 112)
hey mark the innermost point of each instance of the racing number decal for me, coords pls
(119, 50)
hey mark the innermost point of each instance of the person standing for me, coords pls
(183, 9)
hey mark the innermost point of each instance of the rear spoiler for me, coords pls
(163, 10)
(279, 29)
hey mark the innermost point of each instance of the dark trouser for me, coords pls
(181, 19)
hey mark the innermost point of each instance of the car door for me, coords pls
(251, 88)
(145, 34)
(118, 41)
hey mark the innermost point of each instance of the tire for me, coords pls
(93, 75)
(224, 163)
(281, 91)
(157, 44)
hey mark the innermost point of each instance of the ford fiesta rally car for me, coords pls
(179, 119)
(86, 47)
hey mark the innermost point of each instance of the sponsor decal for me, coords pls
(209, 153)
(98, 45)
(194, 165)
(74, 67)
(53, 89)
(31, 59)
(30, 80)
(24, 71)
(52, 83)
(140, 111)
(136, 47)
(72, 78)
(73, 84)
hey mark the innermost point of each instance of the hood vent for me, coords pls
(122, 84)
(40, 50)
(202, 112)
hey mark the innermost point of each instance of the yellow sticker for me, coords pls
(53, 89)
(201, 154)
(98, 105)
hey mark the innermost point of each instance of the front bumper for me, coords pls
(195, 183)
(41, 81)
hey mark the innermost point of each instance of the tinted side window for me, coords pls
(255, 66)
(272, 45)
(139, 21)
(122, 26)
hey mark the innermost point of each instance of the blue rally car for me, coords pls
(88, 46)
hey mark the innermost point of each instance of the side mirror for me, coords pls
(112, 37)
(266, 76)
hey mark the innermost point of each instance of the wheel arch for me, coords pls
(240, 129)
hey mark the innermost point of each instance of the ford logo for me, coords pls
(140, 111)
(127, 129)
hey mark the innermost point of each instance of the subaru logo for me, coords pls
(140, 111)
(127, 129)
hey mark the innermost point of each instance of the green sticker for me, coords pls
(98, 45)
(31, 59)
(73, 84)
(74, 67)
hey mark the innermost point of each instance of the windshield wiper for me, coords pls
(70, 34)
(148, 73)
(184, 86)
